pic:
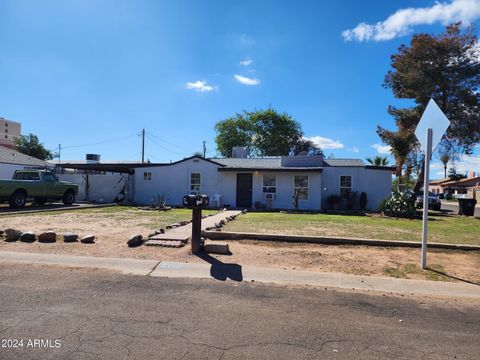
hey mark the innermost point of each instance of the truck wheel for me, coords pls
(69, 197)
(18, 199)
(40, 201)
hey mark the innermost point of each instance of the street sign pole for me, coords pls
(428, 155)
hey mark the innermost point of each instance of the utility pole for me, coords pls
(143, 146)
(204, 148)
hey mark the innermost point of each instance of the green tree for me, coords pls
(446, 68)
(30, 145)
(378, 160)
(306, 146)
(264, 132)
(234, 131)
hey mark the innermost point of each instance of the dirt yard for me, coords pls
(113, 226)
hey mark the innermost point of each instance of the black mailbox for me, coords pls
(195, 200)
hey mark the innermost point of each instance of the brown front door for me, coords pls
(244, 190)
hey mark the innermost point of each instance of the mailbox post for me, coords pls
(196, 203)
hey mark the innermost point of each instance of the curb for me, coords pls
(331, 240)
(6, 213)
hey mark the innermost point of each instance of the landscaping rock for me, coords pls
(218, 226)
(168, 227)
(175, 225)
(28, 237)
(13, 235)
(1, 233)
(89, 239)
(221, 249)
(70, 237)
(185, 222)
(135, 241)
(47, 237)
(222, 222)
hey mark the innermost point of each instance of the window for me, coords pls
(195, 180)
(269, 183)
(48, 177)
(147, 175)
(300, 184)
(345, 185)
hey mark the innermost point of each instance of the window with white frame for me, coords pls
(195, 180)
(147, 175)
(345, 185)
(300, 184)
(269, 183)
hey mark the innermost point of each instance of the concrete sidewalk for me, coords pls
(213, 268)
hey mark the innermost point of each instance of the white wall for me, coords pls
(174, 182)
(7, 170)
(377, 184)
(102, 188)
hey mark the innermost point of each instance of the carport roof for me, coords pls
(11, 156)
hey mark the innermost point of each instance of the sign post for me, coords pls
(429, 132)
(426, 180)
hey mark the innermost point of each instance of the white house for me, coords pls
(11, 160)
(263, 182)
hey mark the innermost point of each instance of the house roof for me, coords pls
(344, 162)
(463, 182)
(438, 181)
(10, 156)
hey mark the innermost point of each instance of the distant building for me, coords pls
(9, 131)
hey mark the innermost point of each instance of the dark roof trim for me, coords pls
(373, 167)
(119, 168)
(285, 169)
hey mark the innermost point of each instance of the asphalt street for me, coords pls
(95, 314)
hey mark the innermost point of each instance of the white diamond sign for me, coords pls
(432, 118)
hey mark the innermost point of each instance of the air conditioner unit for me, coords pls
(270, 196)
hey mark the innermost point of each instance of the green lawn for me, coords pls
(442, 228)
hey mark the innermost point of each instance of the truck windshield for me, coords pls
(27, 176)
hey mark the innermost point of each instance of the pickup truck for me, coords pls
(39, 185)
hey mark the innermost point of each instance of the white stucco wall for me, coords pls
(7, 170)
(376, 183)
(103, 188)
(174, 182)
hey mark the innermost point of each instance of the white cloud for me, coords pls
(467, 164)
(246, 62)
(353, 149)
(325, 143)
(201, 86)
(382, 149)
(246, 80)
(402, 21)
(246, 40)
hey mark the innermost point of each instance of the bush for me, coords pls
(399, 204)
(334, 201)
(363, 200)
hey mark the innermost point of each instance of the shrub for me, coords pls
(399, 204)
(351, 197)
(363, 200)
(334, 201)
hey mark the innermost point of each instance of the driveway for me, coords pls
(453, 207)
(100, 315)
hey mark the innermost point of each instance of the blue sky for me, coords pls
(89, 75)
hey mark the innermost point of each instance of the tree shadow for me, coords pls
(453, 277)
(222, 271)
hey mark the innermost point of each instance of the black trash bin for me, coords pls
(466, 207)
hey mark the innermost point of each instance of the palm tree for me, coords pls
(445, 157)
(378, 161)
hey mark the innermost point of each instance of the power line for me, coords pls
(100, 142)
(150, 138)
(168, 142)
